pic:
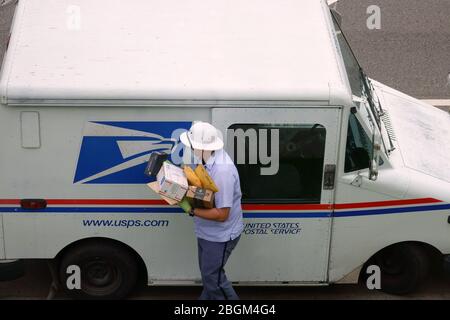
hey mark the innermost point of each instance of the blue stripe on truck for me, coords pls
(271, 214)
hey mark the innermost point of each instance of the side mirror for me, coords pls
(375, 159)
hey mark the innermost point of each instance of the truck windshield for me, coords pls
(362, 89)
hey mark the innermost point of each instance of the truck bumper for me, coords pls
(11, 269)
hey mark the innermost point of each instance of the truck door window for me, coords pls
(359, 147)
(301, 158)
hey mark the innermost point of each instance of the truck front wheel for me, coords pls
(403, 267)
(106, 271)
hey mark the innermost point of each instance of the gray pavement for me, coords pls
(411, 51)
(6, 14)
(36, 282)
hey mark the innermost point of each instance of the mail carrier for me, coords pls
(359, 176)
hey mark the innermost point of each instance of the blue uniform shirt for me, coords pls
(225, 175)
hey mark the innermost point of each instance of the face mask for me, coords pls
(198, 156)
(202, 156)
(191, 156)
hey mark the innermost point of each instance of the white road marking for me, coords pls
(438, 102)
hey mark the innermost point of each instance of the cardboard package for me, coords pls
(155, 187)
(155, 162)
(172, 185)
(200, 198)
(172, 181)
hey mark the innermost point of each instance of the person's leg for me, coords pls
(224, 284)
(214, 257)
(204, 294)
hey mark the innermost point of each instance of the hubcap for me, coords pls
(100, 276)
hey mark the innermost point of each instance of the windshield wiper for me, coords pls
(377, 110)
(370, 99)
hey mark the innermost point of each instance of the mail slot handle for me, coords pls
(329, 177)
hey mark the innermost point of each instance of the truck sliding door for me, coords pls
(285, 158)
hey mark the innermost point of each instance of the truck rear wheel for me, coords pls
(403, 268)
(107, 271)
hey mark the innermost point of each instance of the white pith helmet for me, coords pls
(202, 136)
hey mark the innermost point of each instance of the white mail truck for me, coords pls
(88, 89)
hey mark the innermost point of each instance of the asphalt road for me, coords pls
(411, 52)
(6, 13)
(35, 285)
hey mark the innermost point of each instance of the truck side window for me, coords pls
(359, 147)
(300, 163)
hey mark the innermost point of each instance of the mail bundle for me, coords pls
(173, 183)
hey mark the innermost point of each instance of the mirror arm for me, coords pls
(373, 170)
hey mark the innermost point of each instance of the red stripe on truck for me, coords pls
(385, 203)
(247, 207)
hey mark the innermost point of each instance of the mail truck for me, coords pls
(89, 89)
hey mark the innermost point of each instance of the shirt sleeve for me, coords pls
(224, 180)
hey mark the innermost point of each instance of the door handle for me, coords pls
(329, 176)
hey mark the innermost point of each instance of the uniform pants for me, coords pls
(212, 257)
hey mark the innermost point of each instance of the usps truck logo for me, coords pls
(117, 152)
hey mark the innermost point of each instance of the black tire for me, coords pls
(403, 268)
(108, 271)
(13, 270)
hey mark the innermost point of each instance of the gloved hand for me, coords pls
(185, 205)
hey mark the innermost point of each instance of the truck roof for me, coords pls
(108, 52)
